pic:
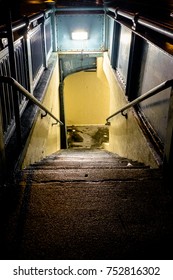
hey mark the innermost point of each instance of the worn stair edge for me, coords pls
(85, 164)
(90, 175)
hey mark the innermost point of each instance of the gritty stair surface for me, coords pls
(87, 158)
(87, 165)
(90, 204)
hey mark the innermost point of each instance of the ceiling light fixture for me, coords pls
(79, 35)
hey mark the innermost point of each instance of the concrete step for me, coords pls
(90, 174)
(93, 220)
(85, 159)
(87, 166)
(89, 205)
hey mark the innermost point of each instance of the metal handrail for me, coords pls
(161, 28)
(146, 95)
(21, 23)
(13, 82)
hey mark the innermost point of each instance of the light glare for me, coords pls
(80, 35)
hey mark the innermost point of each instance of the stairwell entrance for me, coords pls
(86, 106)
(85, 202)
(87, 137)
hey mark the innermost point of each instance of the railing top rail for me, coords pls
(161, 28)
(35, 16)
(19, 24)
(143, 97)
(59, 9)
(13, 82)
(113, 12)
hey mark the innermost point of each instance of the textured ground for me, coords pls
(87, 204)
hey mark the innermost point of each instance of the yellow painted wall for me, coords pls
(86, 97)
(125, 136)
(44, 138)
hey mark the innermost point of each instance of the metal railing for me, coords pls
(137, 20)
(20, 59)
(27, 94)
(148, 94)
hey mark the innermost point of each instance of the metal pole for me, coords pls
(13, 74)
(168, 151)
(64, 144)
(2, 152)
(52, 5)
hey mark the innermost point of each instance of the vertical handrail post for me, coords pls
(13, 74)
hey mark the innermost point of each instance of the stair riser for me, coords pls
(91, 175)
(85, 165)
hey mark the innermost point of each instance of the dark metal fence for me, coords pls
(32, 45)
(140, 51)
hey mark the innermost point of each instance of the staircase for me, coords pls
(89, 204)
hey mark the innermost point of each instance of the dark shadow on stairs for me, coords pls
(89, 204)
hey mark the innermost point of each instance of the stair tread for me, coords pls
(94, 157)
(90, 204)
(86, 163)
(91, 174)
(89, 166)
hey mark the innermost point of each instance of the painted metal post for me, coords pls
(13, 74)
(134, 66)
(43, 36)
(106, 30)
(2, 152)
(51, 5)
(115, 44)
(168, 152)
(64, 144)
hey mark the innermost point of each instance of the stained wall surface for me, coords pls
(44, 138)
(86, 97)
(125, 135)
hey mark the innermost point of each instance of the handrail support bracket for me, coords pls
(54, 123)
(43, 115)
(153, 91)
(124, 114)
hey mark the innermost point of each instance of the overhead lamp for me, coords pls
(79, 35)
